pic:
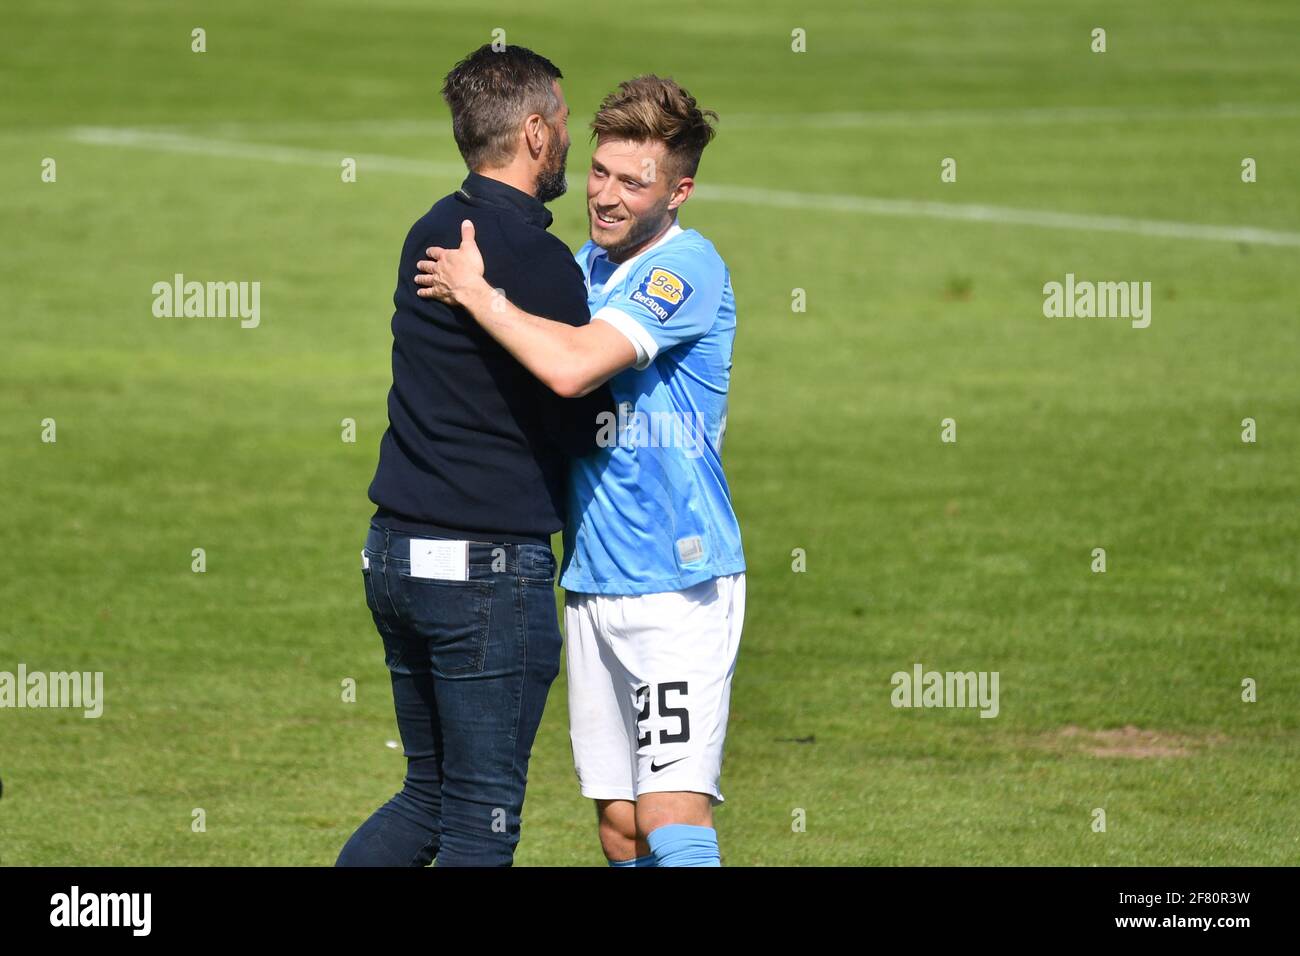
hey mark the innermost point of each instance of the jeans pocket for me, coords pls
(453, 618)
(370, 592)
(537, 565)
(542, 625)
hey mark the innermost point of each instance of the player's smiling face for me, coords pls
(631, 197)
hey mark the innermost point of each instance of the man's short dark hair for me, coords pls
(491, 92)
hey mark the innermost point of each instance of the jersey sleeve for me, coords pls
(671, 298)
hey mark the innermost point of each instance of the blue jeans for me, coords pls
(471, 663)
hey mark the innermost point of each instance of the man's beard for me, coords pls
(551, 183)
(640, 229)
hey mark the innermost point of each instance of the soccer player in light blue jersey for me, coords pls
(653, 566)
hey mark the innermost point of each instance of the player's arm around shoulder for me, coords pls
(570, 360)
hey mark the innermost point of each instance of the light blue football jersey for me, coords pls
(650, 510)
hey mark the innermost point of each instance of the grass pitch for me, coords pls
(223, 689)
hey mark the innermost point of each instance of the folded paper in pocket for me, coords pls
(440, 560)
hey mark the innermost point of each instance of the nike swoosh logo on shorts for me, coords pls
(654, 769)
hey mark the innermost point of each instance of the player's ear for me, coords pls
(681, 192)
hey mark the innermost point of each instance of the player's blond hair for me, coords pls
(655, 109)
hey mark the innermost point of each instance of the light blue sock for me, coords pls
(680, 844)
(638, 861)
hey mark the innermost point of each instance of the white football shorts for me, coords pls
(650, 685)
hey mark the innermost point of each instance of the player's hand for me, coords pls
(449, 274)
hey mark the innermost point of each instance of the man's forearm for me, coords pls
(569, 360)
(543, 346)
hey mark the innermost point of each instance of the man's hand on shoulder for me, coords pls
(569, 360)
(454, 276)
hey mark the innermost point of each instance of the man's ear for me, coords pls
(681, 192)
(534, 135)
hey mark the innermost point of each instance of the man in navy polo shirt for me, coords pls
(470, 486)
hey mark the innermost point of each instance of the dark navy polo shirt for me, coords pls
(476, 447)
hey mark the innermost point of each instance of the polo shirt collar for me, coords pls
(482, 190)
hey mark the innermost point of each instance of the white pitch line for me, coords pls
(265, 152)
(1002, 215)
(710, 192)
(1047, 115)
(840, 119)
